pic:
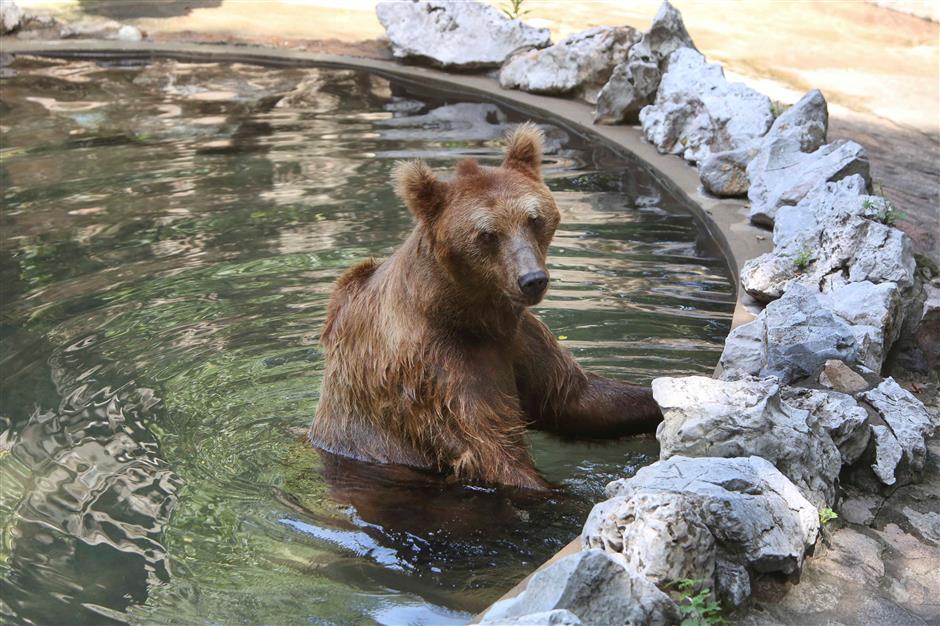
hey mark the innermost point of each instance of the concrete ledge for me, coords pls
(725, 220)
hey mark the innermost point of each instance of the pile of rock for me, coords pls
(749, 458)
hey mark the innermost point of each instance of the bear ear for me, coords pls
(524, 150)
(422, 192)
(468, 167)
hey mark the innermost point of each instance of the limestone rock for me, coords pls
(758, 518)
(907, 419)
(697, 111)
(597, 587)
(838, 414)
(802, 335)
(804, 124)
(579, 65)
(633, 83)
(745, 351)
(10, 16)
(707, 417)
(888, 454)
(838, 376)
(927, 334)
(828, 239)
(782, 175)
(464, 35)
(732, 582)
(95, 28)
(725, 173)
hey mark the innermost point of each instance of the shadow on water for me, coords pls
(170, 235)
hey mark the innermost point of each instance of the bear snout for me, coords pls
(533, 285)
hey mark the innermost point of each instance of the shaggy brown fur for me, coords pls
(433, 360)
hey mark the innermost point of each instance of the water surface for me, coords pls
(170, 235)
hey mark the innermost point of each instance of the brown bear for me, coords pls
(433, 360)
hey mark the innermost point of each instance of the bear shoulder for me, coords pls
(348, 284)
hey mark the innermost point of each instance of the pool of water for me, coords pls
(170, 234)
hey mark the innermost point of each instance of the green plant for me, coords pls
(514, 10)
(827, 515)
(697, 609)
(802, 260)
(890, 214)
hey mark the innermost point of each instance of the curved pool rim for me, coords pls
(725, 220)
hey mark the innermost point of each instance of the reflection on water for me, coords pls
(170, 234)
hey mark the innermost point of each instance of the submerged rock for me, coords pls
(804, 125)
(579, 65)
(909, 423)
(697, 111)
(782, 174)
(706, 417)
(459, 35)
(558, 617)
(757, 519)
(633, 83)
(597, 587)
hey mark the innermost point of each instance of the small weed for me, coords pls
(802, 260)
(514, 10)
(827, 515)
(890, 215)
(697, 609)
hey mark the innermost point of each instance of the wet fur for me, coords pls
(432, 358)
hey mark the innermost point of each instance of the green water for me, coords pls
(170, 234)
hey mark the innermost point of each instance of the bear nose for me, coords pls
(533, 284)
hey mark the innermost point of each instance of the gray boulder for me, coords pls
(633, 83)
(838, 414)
(875, 313)
(745, 351)
(757, 518)
(459, 35)
(579, 65)
(706, 417)
(804, 124)
(802, 334)
(697, 111)
(781, 174)
(907, 419)
(597, 587)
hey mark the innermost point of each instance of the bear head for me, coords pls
(488, 228)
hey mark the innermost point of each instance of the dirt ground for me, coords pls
(879, 69)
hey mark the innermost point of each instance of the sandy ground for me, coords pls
(879, 70)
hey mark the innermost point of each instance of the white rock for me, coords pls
(888, 454)
(805, 124)
(782, 175)
(757, 517)
(464, 35)
(907, 419)
(129, 33)
(597, 587)
(579, 65)
(745, 351)
(838, 414)
(10, 16)
(633, 83)
(802, 334)
(706, 417)
(838, 376)
(697, 111)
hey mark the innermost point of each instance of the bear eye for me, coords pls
(486, 237)
(536, 221)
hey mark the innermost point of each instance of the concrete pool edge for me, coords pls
(725, 220)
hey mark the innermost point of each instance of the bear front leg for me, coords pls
(483, 438)
(558, 396)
